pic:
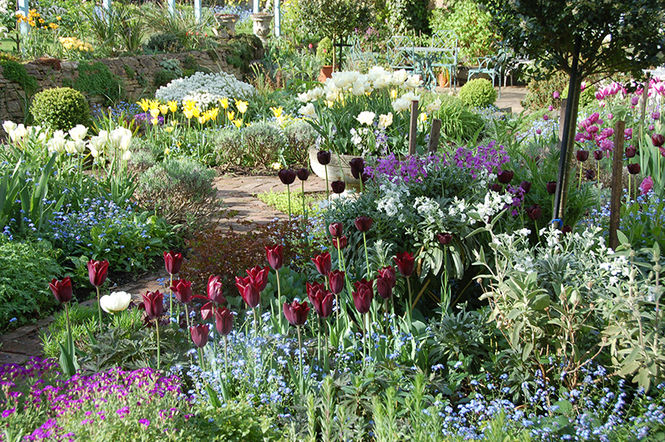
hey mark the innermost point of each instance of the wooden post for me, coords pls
(562, 114)
(434, 135)
(24, 8)
(617, 183)
(413, 128)
(197, 11)
(172, 7)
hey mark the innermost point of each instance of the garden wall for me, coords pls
(137, 74)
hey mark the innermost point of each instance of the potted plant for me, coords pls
(324, 53)
(443, 78)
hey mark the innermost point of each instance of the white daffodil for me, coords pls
(115, 302)
(385, 120)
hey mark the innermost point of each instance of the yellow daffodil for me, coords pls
(423, 117)
(277, 111)
(241, 106)
(224, 102)
(173, 106)
(164, 109)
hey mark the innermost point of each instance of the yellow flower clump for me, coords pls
(74, 44)
(35, 20)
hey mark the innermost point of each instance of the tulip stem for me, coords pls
(318, 341)
(226, 355)
(256, 323)
(302, 379)
(70, 340)
(170, 296)
(408, 307)
(187, 316)
(99, 310)
(158, 351)
(327, 191)
(279, 301)
(445, 298)
(304, 209)
(366, 256)
(201, 362)
(288, 192)
(337, 297)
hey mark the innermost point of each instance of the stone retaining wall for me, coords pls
(136, 72)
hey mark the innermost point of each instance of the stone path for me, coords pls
(238, 193)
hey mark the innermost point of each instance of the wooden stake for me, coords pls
(562, 114)
(617, 183)
(434, 135)
(413, 128)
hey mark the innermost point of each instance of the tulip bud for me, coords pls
(259, 277)
(496, 187)
(388, 273)
(551, 187)
(153, 302)
(172, 262)
(323, 263)
(590, 174)
(323, 157)
(312, 288)
(214, 290)
(336, 229)
(200, 334)
(336, 281)
(534, 212)
(275, 256)
(357, 167)
(182, 290)
(363, 223)
(296, 312)
(505, 176)
(287, 176)
(97, 272)
(405, 262)
(444, 238)
(526, 186)
(566, 229)
(248, 291)
(223, 321)
(303, 174)
(383, 288)
(338, 186)
(630, 151)
(341, 242)
(598, 155)
(362, 296)
(582, 155)
(115, 302)
(657, 140)
(634, 168)
(62, 290)
(322, 300)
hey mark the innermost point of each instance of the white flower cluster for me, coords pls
(429, 209)
(18, 133)
(355, 83)
(205, 89)
(391, 203)
(4, 10)
(493, 203)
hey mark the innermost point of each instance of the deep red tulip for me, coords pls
(388, 273)
(496, 187)
(590, 174)
(363, 223)
(248, 291)
(634, 168)
(657, 140)
(405, 262)
(323, 157)
(275, 256)
(357, 167)
(322, 301)
(296, 312)
(287, 176)
(153, 302)
(207, 310)
(182, 289)
(172, 262)
(338, 186)
(312, 288)
(322, 263)
(383, 288)
(302, 173)
(97, 272)
(567, 229)
(582, 155)
(340, 242)
(336, 229)
(598, 155)
(505, 176)
(526, 186)
(336, 281)
(630, 151)
(259, 277)
(62, 290)
(362, 296)
(534, 212)
(223, 321)
(200, 334)
(214, 290)
(551, 187)
(444, 238)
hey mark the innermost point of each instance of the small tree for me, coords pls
(337, 19)
(581, 38)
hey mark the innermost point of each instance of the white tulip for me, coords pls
(115, 302)
(366, 118)
(70, 147)
(126, 155)
(9, 126)
(434, 106)
(413, 81)
(307, 110)
(399, 77)
(57, 142)
(78, 132)
(18, 133)
(385, 120)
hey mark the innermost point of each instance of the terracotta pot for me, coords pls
(338, 169)
(325, 73)
(444, 78)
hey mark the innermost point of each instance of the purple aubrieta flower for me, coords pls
(145, 422)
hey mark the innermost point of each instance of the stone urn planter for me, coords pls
(325, 73)
(227, 23)
(261, 25)
(338, 169)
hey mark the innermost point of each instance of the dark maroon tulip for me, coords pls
(275, 256)
(338, 186)
(383, 288)
(223, 321)
(505, 176)
(630, 151)
(496, 187)
(567, 229)
(582, 155)
(62, 290)
(322, 301)
(444, 238)
(172, 262)
(551, 187)
(362, 296)
(388, 273)
(357, 167)
(336, 281)
(287, 176)
(336, 229)
(259, 277)
(534, 212)
(153, 302)
(214, 290)
(598, 155)
(313, 288)
(634, 168)
(200, 334)
(302, 173)
(363, 223)
(526, 186)
(340, 242)
(405, 262)
(182, 289)
(207, 310)
(97, 272)
(296, 312)
(323, 263)
(248, 291)
(657, 140)
(323, 157)
(590, 174)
